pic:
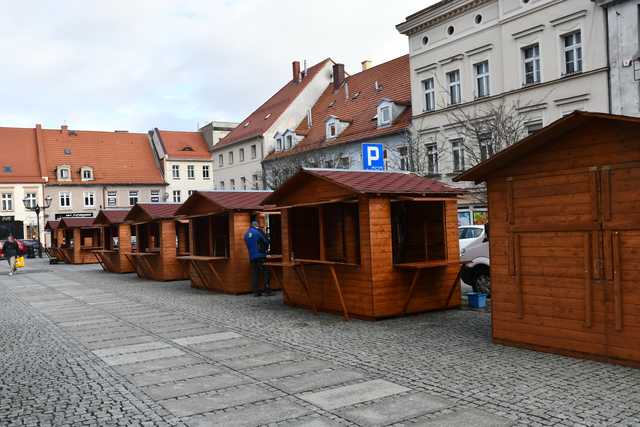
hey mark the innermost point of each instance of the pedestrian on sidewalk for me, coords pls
(258, 245)
(11, 251)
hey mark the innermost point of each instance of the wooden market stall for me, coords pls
(368, 244)
(81, 238)
(53, 250)
(116, 235)
(160, 238)
(218, 220)
(564, 209)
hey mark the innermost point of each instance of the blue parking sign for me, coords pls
(373, 157)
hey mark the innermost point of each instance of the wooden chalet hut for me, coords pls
(81, 238)
(564, 209)
(116, 235)
(218, 220)
(368, 244)
(160, 239)
(56, 239)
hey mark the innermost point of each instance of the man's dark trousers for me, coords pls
(257, 267)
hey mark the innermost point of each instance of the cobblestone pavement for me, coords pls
(82, 347)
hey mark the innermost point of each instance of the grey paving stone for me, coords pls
(97, 345)
(170, 328)
(199, 339)
(288, 369)
(141, 356)
(394, 409)
(350, 395)
(244, 351)
(256, 415)
(194, 385)
(217, 345)
(311, 421)
(131, 348)
(158, 364)
(315, 380)
(464, 418)
(263, 359)
(213, 402)
(129, 333)
(159, 377)
(75, 324)
(190, 332)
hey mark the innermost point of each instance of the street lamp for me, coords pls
(33, 206)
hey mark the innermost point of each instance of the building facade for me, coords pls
(214, 131)
(533, 61)
(237, 158)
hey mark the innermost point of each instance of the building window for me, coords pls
(177, 196)
(220, 160)
(331, 129)
(221, 185)
(289, 141)
(533, 127)
(86, 173)
(243, 183)
(232, 184)
(133, 197)
(64, 198)
(344, 163)
(486, 146)
(432, 159)
(482, 79)
(175, 171)
(89, 198)
(256, 184)
(155, 196)
(384, 115)
(64, 173)
(7, 202)
(531, 55)
(112, 199)
(572, 45)
(458, 154)
(254, 152)
(30, 200)
(191, 172)
(453, 77)
(329, 164)
(205, 172)
(403, 155)
(429, 94)
(191, 192)
(279, 144)
(230, 156)
(241, 154)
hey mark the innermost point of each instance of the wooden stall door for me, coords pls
(620, 201)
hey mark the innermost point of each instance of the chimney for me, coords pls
(296, 71)
(64, 128)
(338, 75)
(366, 64)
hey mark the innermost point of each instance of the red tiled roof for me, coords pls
(152, 211)
(76, 223)
(223, 201)
(116, 157)
(261, 119)
(359, 108)
(51, 225)
(19, 161)
(184, 145)
(110, 217)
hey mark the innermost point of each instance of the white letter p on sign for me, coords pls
(373, 154)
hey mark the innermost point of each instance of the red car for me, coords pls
(21, 247)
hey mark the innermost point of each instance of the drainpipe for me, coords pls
(606, 30)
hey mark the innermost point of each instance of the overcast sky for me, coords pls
(138, 64)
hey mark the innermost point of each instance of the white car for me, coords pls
(474, 253)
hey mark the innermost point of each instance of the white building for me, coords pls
(544, 58)
(238, 156)
(623, 45)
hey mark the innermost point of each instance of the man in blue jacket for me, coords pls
(258, 245)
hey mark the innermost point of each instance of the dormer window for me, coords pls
(334, 127)
(388, 111)
(332, 132)
(86, 173)
(187, 148)
(64, 173)
(289, 141)
(279, 143)
(385, 115)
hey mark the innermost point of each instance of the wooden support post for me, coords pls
(345, 312)
(510, 209)
(414, 281)
(605, 189)
(518, 276)
(138, 240)
(588, 291)
(594, 189)
(456, 282)
(617, 281)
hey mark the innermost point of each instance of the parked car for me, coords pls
(33, 248)
(474, 253)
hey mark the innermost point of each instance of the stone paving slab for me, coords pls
(168, 328)
(394, 409)
(132, 348)
(218, 345)
(350, 395)
(311, 421)
(196, 330)
(194, 385)
(263, 359)
(97, 345)
(288, 369)
(200, 339)
(214, 402)
(159, 377)
(245, 351)
(464, 418)
(280, 410)
(127, 333)
(158, 364)
(142, 356)
(315, 380)
(105, 321)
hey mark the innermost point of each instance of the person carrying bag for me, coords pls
(11, 251)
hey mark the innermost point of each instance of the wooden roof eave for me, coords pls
(348, 199)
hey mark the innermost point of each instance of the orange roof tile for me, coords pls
(261, 119)
(359, 108)
(19, 161)
(116, 157)
(184, 145)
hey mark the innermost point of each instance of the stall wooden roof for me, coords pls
(341, 184)
(147, 212)
(211, 202)
(111, 217)
(546, 135)
(76, 223)
(51, 225)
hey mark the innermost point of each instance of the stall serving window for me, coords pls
(273, 223)
(329, 232)
(89, 238)
(148, 239)
(211, 235)
(418, 231)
